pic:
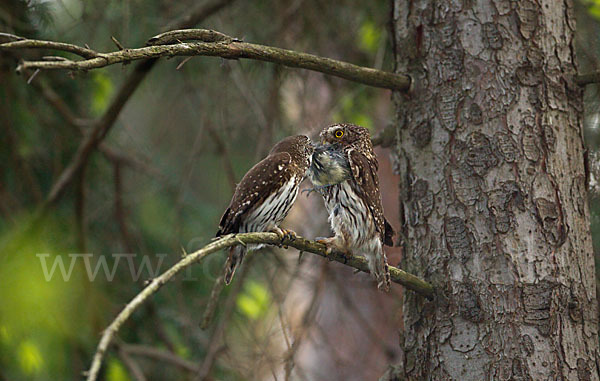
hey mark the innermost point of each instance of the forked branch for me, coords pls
(398, 276)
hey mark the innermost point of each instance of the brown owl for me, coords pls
(265, 195)
(344, 170)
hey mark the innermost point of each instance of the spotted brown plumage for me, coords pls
(354, 202)
(265, 195)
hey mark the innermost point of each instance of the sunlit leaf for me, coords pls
(103, 89)
(4, 335)
(369, 36)
(363, 120)
(115, 371)
(30, 358)
(254, 302)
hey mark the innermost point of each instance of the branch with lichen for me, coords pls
(409, 281)
(200, 42)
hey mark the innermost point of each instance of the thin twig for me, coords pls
(227, 48)
(134, 368)
(117, 43)
(100, 128)
(213, 302)
(160, 355)
(398, 276)
(43, 44)
(224, 154)
(80, 223)
(307, 317)
(119, 209)
(215, 346)
(587, 79)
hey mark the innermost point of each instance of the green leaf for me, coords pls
(115, 371)
(254, 302)
(369, 36)
(30, 358)
(103, 89)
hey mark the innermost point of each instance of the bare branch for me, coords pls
(398, 276)
(587, 79)
(223, 46)
(215, 344)
(160, 355)
(7, 37)
(134, 369)
(42, 44)
(176, 36)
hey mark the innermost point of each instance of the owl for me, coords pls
(344, 171)
(265, 195)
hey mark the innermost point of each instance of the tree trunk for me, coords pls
(493, 192)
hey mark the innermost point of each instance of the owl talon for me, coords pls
(290, 235)
(332, 243)
(308, 191)
(283, 234)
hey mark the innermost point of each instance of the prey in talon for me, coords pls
(265, 195)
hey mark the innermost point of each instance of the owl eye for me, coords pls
(339, 134)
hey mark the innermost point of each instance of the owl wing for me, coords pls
(258, 183)
(364, 172)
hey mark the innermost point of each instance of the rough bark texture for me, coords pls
(494, 192)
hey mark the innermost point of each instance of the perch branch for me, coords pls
(211, 43)
(398, 276)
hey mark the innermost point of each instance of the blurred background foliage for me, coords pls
(162, 181)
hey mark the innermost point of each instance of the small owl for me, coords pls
(344, 169)
(265, 195)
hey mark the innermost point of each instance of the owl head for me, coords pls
(345, 134)
(298, 146)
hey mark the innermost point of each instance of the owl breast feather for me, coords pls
(329, 166)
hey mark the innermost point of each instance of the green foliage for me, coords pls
(369, 37)
(30, 358)
(38, 316)
(354, 108)
(593, 7)
(255, 301)
(103, 89)
(115, 371)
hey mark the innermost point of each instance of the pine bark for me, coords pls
(493, 192)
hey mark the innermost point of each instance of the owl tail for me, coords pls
(236, 254)
(378, 266)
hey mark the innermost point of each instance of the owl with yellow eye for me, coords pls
(344, 171)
